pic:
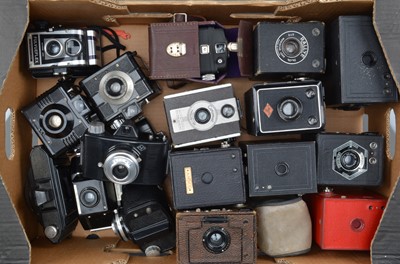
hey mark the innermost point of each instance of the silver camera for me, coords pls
(203, 115)
(60, 51)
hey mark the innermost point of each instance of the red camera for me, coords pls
(345, 221)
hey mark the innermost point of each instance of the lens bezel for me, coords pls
(76, 41)
(216, 249)
(128, 88)
(299, 47)
(46, 45)
(92, 190)
(298, 108)
(126, 159)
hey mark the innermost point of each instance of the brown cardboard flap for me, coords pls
(386, 23)
(245, 48)
(385, 246)
(326, 9)
(186, 62)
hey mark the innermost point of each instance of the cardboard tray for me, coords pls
(21, 238)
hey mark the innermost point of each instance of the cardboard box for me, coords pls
(133, 17)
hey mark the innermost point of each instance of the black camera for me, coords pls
(354, 51)
(281, 168)
(213, 47)
(64, 51)
(59, 117)
(289, 49)
(207, 177)
(146, 219)
(203, 115)
(49, 193)
(216, 236)
(95, 200)
(133, 154)
(286, 107)
(120, 87)
(350, 159)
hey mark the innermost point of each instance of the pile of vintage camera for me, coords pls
(102, 163)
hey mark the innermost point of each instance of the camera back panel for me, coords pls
(202, 115)
(281, 168)
(295, 49)
(207, 178)
(285, 108)
(50, 194)
(216, 237)
(350, 159)
(357, 71)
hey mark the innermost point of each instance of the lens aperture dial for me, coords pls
(122, 167)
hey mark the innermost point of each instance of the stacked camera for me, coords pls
(103, 164)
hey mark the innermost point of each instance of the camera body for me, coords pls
(354, 50)
(218, 236)
(285, 107)
(59, 117)
(120, 87)
(289, 49)
(350, 159)
(63, 51)
(126, 157)
(96, 202)
(207, 177)
(202, 115)
(49, 193)
(213, 48)
(146, 219)
(281, 168)
(345, 221)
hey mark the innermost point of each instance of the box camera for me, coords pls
(96, 202)
(62, 51)
(280, 168)
(125, 157)
(217, 236)
(289, 49)
(285, 107)
(120, 87)
(207, 177)
(146, 219)
(186, 50)
(345, 221)
(350, 159)
(59, 117)
(202, 115)
(50, 195)
(354, 50)
(284, 227)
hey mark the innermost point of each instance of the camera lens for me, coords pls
(227, 111)
(350, 160)
(120, 171)
(202, 115)
(115, 87)
(55, 121)
(290, 109)
(216, 240)
(53, 48)
(291, 47)
(89, 197)
(73, 47)
(282, 168)
(121, 166)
